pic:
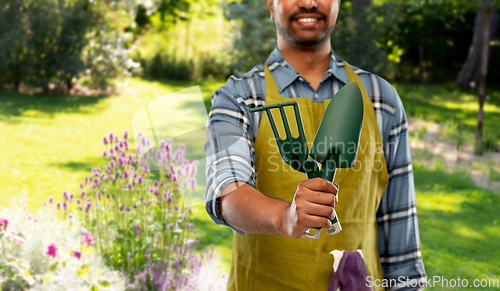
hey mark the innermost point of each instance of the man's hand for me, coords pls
(312, 206)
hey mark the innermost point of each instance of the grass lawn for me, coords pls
(449, 105)
(48, 144)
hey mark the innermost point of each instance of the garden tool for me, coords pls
(335, 144)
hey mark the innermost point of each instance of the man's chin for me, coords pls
(309, 41)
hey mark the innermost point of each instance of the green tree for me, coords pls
(56, 42)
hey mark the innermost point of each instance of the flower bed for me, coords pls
(128, 224)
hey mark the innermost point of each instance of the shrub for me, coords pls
(136, 215)
(58, 42)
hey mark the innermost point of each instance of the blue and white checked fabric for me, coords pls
(231, 132)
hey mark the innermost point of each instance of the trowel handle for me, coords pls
(336, 227)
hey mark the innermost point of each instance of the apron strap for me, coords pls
(354, 77)
(271, 87)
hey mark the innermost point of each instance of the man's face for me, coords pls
(304, 22)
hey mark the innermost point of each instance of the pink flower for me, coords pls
(105, 141)
(3, 223)
(104, 153)
(137, 229)
(87, 238)
(125, 134)
(51, 200)
(77, 254)
(111, 136)
(51, 251)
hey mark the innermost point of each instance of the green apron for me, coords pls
(275, 262)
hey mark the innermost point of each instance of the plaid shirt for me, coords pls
(231, 132)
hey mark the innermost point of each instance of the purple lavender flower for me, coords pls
(120, 161)
(192, 183)
(125, 174)
(77, 254)
(65, 205)
(112, 164)
(83, 193)
(44, 204)
(111, 151)
(86, 180)
(78, 201)
(97, 181)
(137, 229)
(71, 196)
(140, 180)
(51, 200)
(58, 205)
(104, 153)
(111, 136)
(87, 207)
(125, 134)
(117, 148)
(129, 186)
(105, 141)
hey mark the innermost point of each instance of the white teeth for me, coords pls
(307, 19)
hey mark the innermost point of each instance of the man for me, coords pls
(270, 206)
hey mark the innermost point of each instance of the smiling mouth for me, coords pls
(306, 20)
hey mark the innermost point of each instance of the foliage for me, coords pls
(137, 216)
(44, 253)
(44, 42)
(168, 67)
(254, 33)
(357, 38)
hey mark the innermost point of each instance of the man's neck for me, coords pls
(310, 62)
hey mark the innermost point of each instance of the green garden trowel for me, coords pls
(335, 144)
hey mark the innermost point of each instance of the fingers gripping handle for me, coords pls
(336, 228)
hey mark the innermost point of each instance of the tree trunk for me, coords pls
(421, 67)
(471, 70)
(482, 79)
